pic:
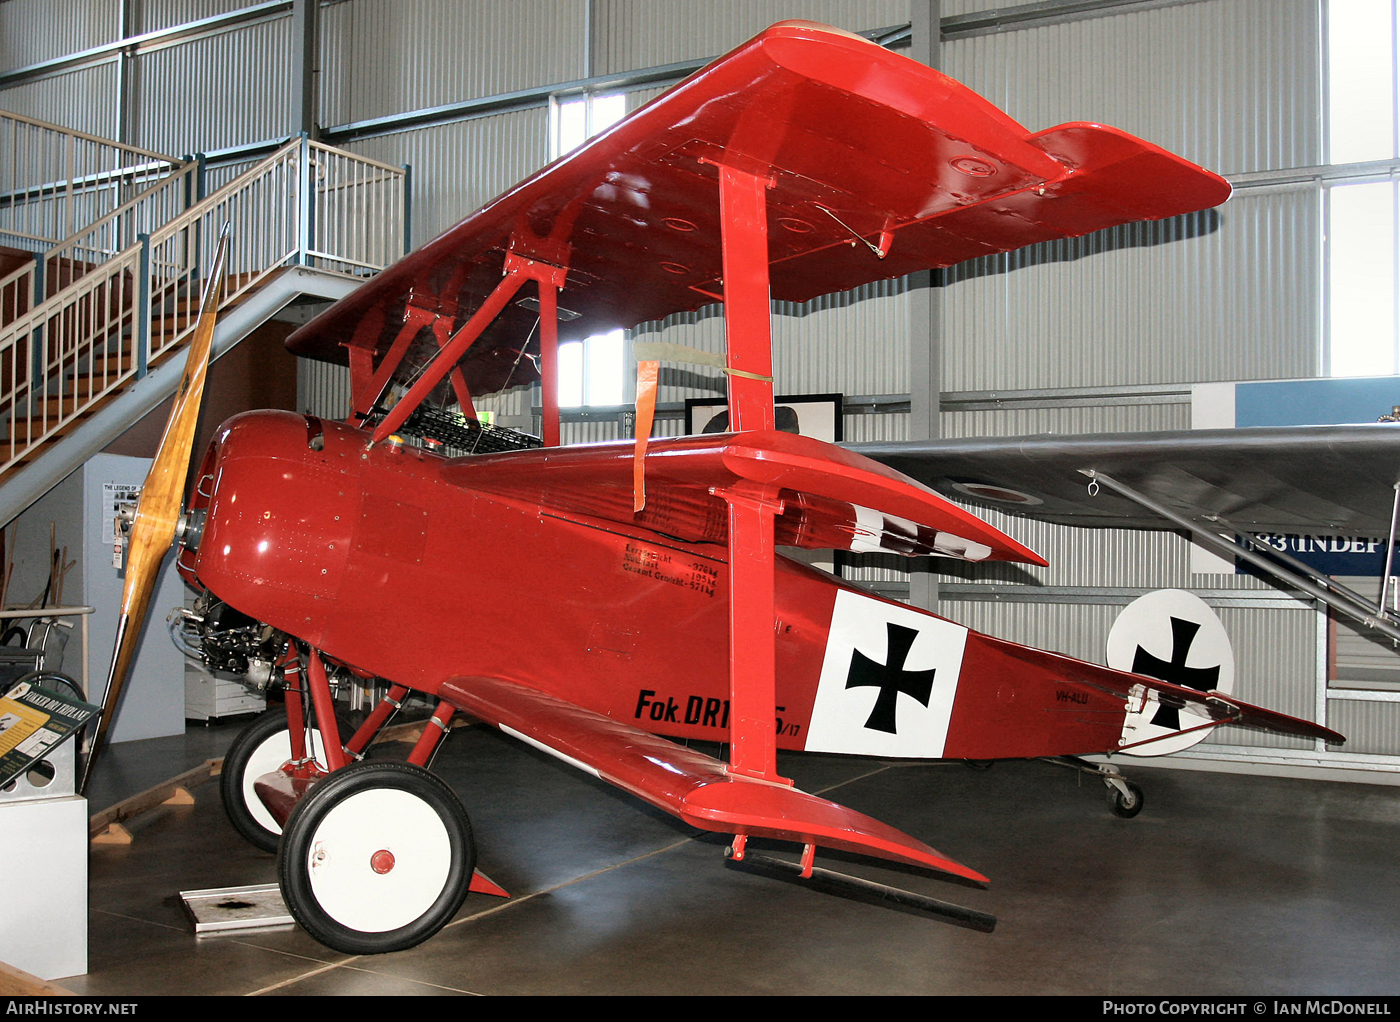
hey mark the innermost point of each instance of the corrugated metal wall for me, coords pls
(215, 92)
(1230, 294)
(32, 31)
(631, 34)
(382, 57)
(153, 15)
(68, 99)
(460, 166)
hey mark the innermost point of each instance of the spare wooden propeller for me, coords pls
(158, 509)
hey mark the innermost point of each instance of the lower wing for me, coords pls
(688, 784)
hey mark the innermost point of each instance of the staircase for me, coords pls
(92, 328)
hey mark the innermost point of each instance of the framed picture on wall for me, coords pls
(813, 415)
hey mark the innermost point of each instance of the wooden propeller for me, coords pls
(158, 509)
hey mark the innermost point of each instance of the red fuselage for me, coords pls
(371, 556)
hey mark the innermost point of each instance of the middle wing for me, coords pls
(832, 498)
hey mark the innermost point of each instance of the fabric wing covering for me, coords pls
(1300, 479)
(864, 147)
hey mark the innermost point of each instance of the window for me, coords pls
(591, 371)
(575, 120)
(1361, 209)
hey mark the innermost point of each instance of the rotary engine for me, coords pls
(228, 641)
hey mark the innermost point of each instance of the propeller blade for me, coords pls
(158, 509)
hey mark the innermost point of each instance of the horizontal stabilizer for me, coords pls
(688, 784)
(1218, 707)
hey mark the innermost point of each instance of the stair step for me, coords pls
(193, 294)
(123, 357)
(53, 406)
(176, 315)
(85, 383)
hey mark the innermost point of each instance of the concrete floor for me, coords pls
(1225, 884)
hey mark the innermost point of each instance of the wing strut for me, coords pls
(748, 327)
(753, 748)
(369, 383)
(1339, 598)
(748, 340)
(518, 270)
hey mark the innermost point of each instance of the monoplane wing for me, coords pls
(876, 166)
(684, 782)
(1327, 479)
(832, 499)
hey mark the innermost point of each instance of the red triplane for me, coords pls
(637, 591)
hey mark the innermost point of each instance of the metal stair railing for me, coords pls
(305, 205)
(56, 183)
(73, 257)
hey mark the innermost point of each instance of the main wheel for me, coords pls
(1126, 806)
(262, 747)
(376, 857)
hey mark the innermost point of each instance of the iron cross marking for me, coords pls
(1202, 679)
(891, 679)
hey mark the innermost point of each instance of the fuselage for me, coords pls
(371, 556)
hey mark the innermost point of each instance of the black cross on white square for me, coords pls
(888, 680)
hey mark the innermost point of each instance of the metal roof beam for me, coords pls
(145, 41)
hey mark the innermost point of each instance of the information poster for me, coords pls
(33, 722)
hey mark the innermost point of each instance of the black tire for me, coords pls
(1126, 806)
(260, 748)
(335, 843)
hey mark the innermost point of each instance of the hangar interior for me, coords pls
(414, 115)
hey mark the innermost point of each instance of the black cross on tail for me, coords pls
(1202, 679)
(891, 679)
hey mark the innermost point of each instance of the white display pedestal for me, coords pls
(43, 896)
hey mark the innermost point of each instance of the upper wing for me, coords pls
(1334, 479)
(859, 143)
(686, 783)
(831, 497)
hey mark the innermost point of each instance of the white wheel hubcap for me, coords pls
(349, 845)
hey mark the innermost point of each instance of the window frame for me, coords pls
(592, 124)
